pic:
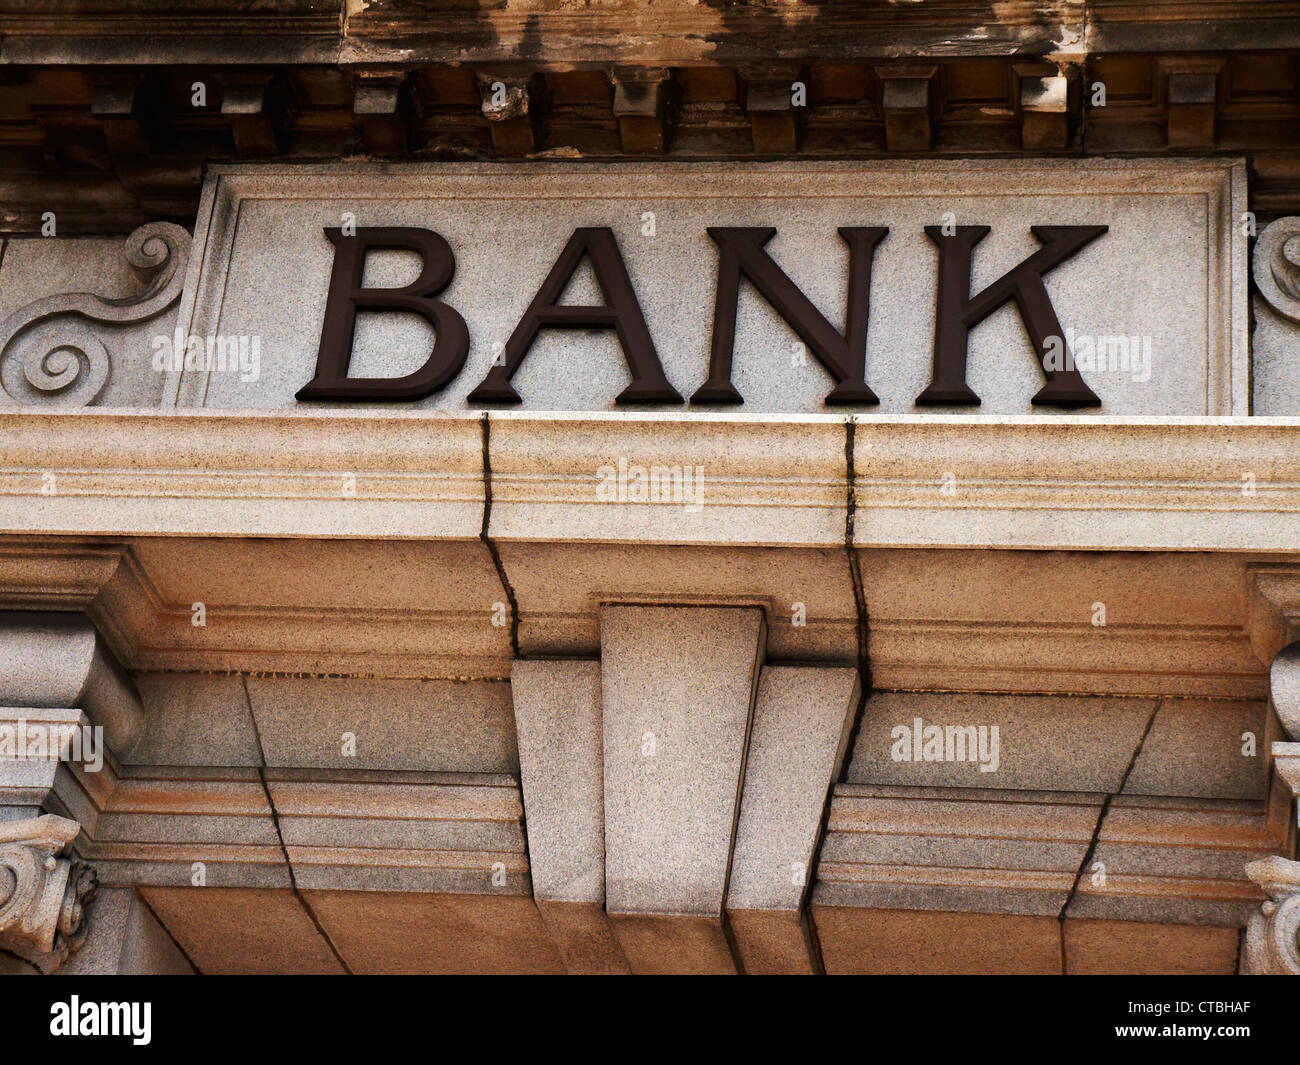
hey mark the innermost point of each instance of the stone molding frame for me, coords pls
(43, 891)
(1218, 187)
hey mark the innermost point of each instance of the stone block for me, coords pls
(678, 686)
(801, 727)
(238, 930)
(903, 942)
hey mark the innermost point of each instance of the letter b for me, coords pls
(346, 297)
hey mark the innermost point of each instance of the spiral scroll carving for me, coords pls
(1277, 266)
(72, 364)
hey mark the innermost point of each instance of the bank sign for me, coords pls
(995, 287)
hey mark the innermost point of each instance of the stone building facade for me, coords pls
(692, 487)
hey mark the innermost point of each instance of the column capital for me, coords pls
(1272, 944)
(43, 891)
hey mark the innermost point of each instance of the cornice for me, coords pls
(1070, 482)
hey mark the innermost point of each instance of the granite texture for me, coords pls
(903, 942)
(1131, 947)
(678, 686)
(433, 725)
(241, 931)
(1031, 754)
(558, 721)
(125, 938)
(379, 932)
(801, 728)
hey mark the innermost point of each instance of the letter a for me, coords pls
(620, 312)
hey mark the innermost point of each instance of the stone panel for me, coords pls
(801, 727)
(678, 685)
(1165, 272)
(237, 930)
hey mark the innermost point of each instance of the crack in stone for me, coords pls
(175, 942)
(279, 835)
(1096, 830)
(486, 537)
(864, 684)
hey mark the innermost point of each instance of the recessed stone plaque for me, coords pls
(992, 287)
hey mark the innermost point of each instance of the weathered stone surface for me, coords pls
(44, 892)
(125, 938)
(378, 932)
(558, 721)
(1175, 861)
(438, 726)
(560, 587)
(907, 942)
(1211, 749)
(954, 849)
(1271, 945)
(237, 930)
(1134, 947)
(402, 832)
(584, 937)
(678, 688)
(1025, 752)
(195, 719)
(673, 945)
(60, 660)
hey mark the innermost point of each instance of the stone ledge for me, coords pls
(1078, 482)
(1020, 482)
(246, 473)
(1162, 860)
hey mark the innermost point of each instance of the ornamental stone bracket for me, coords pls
(66, 709)
(70, 366)
(674, 792)
(1273, 595)
(1277, 266)
(1272, 943)
(43, 891)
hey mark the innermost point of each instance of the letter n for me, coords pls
(346, 297)
(958, 312)
(845, 356)
(620, 312)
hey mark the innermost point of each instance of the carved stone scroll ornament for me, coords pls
(74, 369)
(1273, 935)
(1277, 266)
(43, 893)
